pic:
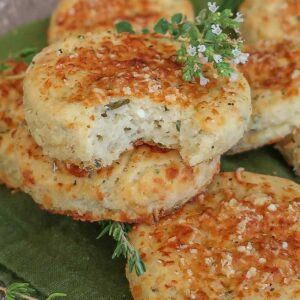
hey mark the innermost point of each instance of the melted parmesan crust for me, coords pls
(273, 72)
(239, 241)
(11, 115)
(290, 149)
(71, 85)
(271, 20)
(142, 186)
(75, 17)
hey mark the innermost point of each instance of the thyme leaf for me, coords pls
(124, 26)
(117, 104)
(119, 232)
(212, 38)
(178, 125)
(20, 291)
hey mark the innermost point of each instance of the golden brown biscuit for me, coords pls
(142, 186)
(239, 241)
(273, 72)
(91, 98)
(75, 17)
(271, 20)
(290, 149)
(11, 115)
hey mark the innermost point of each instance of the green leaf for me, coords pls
(178, 125)
(56, 295)
(124, 26)
(145, 30)
(200, 18)
(162, 26)
(4, 67)
(177, 18)
(117, 104)
(26, 55)
(140, 267)
(26, 52)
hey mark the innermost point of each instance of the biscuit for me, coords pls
(142, 186)
(239, 241)
(90, 98)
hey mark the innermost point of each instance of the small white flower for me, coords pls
(213, 7)
(201, 48)
(244, 58)
(236, 52)
(191, 50)
(203, 80)
(218, 58)
(239, 57)
(239, 17)
(216, 29)
(233, 76)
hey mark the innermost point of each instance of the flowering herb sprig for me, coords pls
(119, 232)
(23, 291)
(212, 38)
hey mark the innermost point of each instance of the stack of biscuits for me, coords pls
(114, 132)
(110, 130)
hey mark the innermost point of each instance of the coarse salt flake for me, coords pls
(251, 273)
(54, 167)
(262, 260)
(172, 239)
(154, 88)
(209, 261)
(171, 97)
(243, 225)
(75, 55)
(295, 74)
(127, 90)
(141, 113)
(272, 207)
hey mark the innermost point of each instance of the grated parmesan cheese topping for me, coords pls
(273, 66)
(223, 246)
(80, 16)
(126, 65)
(11, 111)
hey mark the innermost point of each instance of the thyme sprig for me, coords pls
(21, 291)
(119, 232)
(212, 38)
